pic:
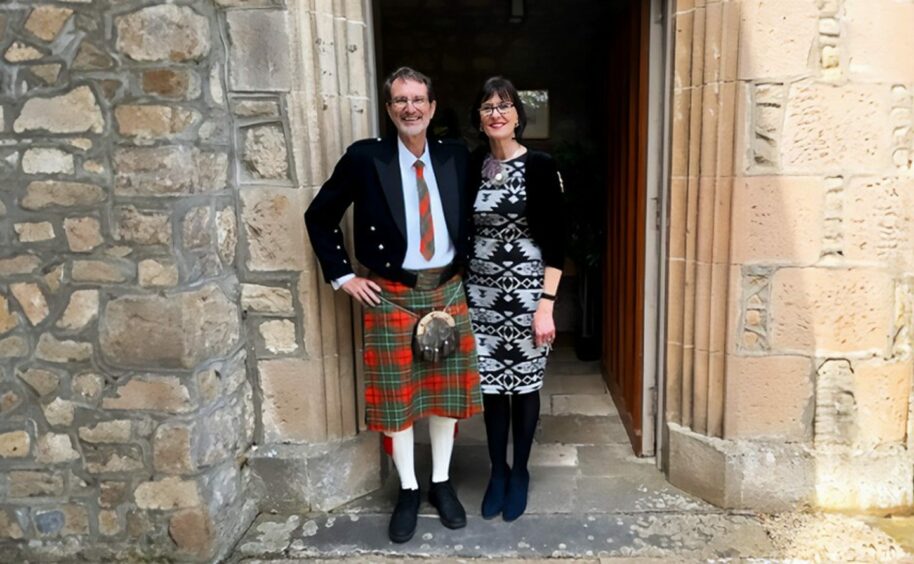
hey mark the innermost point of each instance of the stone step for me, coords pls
(675, 536)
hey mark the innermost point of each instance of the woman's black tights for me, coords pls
(508, 486)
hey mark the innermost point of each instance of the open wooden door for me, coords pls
(623, 314)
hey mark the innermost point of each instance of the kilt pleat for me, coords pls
(399, 388)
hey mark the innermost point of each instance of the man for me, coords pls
(411, 233)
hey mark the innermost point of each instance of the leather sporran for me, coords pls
(435, 337)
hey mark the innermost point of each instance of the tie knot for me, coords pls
(419, 164)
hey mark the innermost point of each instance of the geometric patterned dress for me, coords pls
(504, 282)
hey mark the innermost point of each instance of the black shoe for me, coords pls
(444, 499)
(516, 499)
(494, 500)
(406, 513)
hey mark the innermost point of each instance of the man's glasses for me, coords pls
(401, 103)
(489, 109)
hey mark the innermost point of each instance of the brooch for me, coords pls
(494, 170)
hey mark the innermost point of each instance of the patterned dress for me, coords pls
(504, 283)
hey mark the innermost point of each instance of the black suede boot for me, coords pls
(494, 500)
(443, 497)
(405, 515)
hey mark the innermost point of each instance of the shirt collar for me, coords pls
(407, 159)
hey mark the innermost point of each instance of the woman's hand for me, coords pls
(363, 290)
(543, 324)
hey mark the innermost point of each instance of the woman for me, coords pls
(512, 277)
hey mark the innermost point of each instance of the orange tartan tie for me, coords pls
(426, 227)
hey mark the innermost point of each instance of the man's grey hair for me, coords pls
(406, 73)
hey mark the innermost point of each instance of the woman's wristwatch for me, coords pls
(546, 296)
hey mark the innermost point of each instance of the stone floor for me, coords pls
(590, 499)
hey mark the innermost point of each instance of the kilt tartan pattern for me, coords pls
(400, 389)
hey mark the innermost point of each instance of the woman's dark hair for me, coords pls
(406, 73)
(506, 91)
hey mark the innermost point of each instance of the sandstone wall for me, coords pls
(791, 248)
(169, 356)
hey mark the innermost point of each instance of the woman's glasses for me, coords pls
(489, 109)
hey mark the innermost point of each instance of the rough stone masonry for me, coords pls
(125, 406)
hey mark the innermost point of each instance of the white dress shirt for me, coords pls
(444, 247)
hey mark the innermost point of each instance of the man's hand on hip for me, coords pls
(363, 290)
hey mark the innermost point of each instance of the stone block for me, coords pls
(77, 111)
(92, 57)
(319, 477)
(151, 393)
(47, 161)
(172, 449)
(698, 465)
(157, 273)
(259, 53)
(163, 33)
(841, 129)
(272, 219)
(878, 222)
(52, 349)
(47, 73)
(148, 122)
(876, 32)
(881, 391)
(171, 83)
(88, 386)
(113, 459)
(101, 271)
(168, 171)
(34, 483)
(13, 347)
(83, 233)
(197, 226)
(43, 194)
(81, 309)
(117, 431)
(288, 415)
(830, 311)
(264, 153)
(192, 531)
(15, 444)
(8, 320)
(55, 448)
(59, 413)
(44, 382)
(45, 22)
(769, 397)
(167, 493)
(34, 232)
(878, 480)
(109, 523)
(278, 336)
(777, 219)
(776, 38)
(178, 331)
(141, 228)
(32, 301)
(266, 299)
(20, 264)
(20, 52)
(226, 234)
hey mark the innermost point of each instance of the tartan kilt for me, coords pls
(399, 388)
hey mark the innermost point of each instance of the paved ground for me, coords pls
(590, 499)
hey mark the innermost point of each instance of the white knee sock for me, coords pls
(403, 458)
(441, 430)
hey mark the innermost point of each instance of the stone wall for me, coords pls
(160, 309)
(127, 408)
(791, 245)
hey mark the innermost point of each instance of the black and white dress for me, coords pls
(504, 282)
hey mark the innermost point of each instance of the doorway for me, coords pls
(592, 59)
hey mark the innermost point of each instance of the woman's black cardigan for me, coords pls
(545, 205)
